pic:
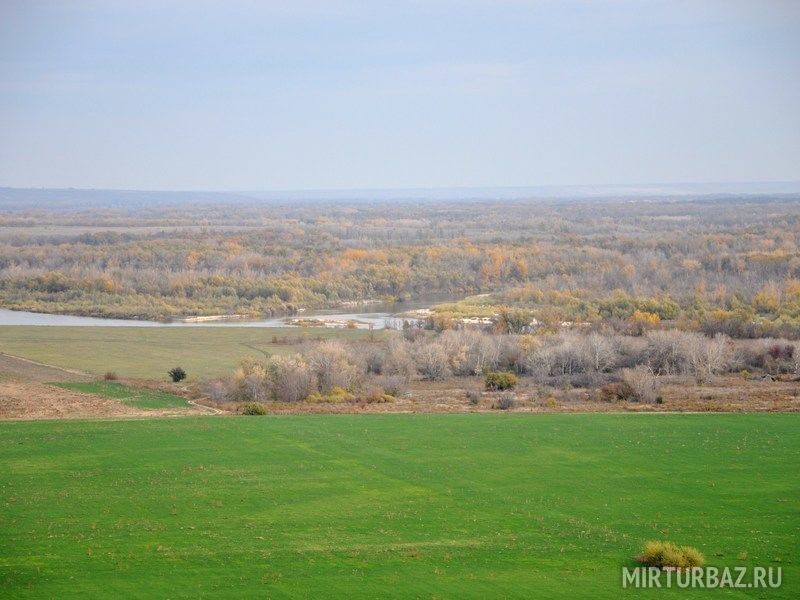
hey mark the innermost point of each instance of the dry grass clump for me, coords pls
(665, 555)
(336, 395)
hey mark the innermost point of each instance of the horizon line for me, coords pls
(453, 188)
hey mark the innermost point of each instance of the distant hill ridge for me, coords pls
(17, 198)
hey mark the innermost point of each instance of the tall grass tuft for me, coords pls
(668, 555)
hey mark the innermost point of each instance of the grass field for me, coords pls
(451, 506)
(148, 352)
(135, 397)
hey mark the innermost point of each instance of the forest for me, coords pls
(714, 264)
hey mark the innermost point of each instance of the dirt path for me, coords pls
(208, 409)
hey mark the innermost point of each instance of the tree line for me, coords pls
(718, 265)
(622, 367)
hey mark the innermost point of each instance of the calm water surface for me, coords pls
(378, 315)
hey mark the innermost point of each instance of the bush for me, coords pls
(110, 376)
(505, 402)
(216, 390)
(177, 374)
(336, 395)
(394, 385)
(470, 352)
(500, 381)
(474, 397)
(431, 360)
(333, 365)
(619, 390)
(668, 555)
(290, 377)
(378, 397)
(642, 382)
(254, 408)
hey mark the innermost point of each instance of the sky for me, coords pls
(238, 95)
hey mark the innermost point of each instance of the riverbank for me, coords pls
(366, 320)
(368, 314)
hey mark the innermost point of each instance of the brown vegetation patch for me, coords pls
(30, 370)
(33, 400)
(24, 395)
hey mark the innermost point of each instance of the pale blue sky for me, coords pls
(308, 94)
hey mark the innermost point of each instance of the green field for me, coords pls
(148, 352)
(449, 506)
(135, 397)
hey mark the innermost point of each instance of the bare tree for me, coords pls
(796, 358)
(601, 352)
(431, 361)
(707, 357)
(559, 355)
(333, 365)
(470, 352)
(668, 351)
(217, 390)
(642, 382)
(291, 378)
(719, 352)
(399, 358)
(250, 382)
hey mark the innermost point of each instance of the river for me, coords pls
(378, 315)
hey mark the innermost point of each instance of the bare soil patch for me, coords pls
(33, 400)
(25, 395)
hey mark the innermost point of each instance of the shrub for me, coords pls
(254, 408)
(336, 395)
(600, 352)
(514, 321)
(393, 385)
(668, 555)
(642, 382)
(379, 398)
(666, 351)
(559, 355)
(505, 402)
(110, 376)
(333, 365)
(474, 397)
(500, 381)
(216, 390)
(470, 352)
(431, 362)
(619, 390)
(290, 378)
(177, 374)
(399, 359)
